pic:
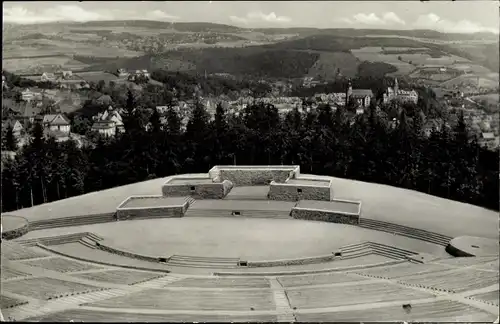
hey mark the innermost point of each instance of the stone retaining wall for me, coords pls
(254, 175)
(101, 262)
(290, 192)
(201, 191)
(289, 262)
(104, 247)
(151, 212)
(325, 216)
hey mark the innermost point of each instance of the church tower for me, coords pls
(348, 92)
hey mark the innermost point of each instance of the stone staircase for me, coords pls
(72, 221)
(410, 232)
(90, 240)
(158, 283)
(202, 262)
(285, 313)
(190, 200)
(83, 237)
(366, 248)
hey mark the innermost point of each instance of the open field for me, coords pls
(41, 64)
(97, 76)
(418, 57)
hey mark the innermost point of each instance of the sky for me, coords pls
(446, 16)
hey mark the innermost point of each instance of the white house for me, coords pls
(108, 123)
(56, 122)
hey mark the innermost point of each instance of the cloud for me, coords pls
(160, 15)
(389, 18)
(433, 21)
(260, 17)
(21, 15)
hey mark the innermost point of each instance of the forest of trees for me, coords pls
(322, 141)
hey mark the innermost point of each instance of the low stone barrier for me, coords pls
(289, 262)
(325, 216)
(254, 175)
(104, 247)
(214, 190)
(301, 191)
(101, 262)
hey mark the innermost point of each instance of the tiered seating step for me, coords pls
(175, 299)
(15, 251)
(72, 221)
(85, 315)
(361, 293)
(45, 288)
(318, 279)
(401, 270)
(61, 264)
(435, 311)
(218, 282)
(124, 277)
(9, 273)
(454, 280)
(405, 231)
(8, 302)
(202, 262)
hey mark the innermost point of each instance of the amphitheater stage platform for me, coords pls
(246, 238)
(334, 205)
(228, 204)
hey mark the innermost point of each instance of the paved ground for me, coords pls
(340, 206)
(309, 182)
(476, 246)
(155, 202)
(10, 223)
(190, 181)
(246, 238)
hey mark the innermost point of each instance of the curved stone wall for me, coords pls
(14, 227)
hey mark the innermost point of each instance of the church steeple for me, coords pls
(396, 86)
(348, 92)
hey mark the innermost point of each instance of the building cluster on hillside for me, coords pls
(55, 125)
(394, 93)
(108, 123)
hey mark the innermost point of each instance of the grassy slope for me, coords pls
(400, 206)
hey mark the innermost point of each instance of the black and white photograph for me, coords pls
(250, 161)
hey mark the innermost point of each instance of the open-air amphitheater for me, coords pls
(251, 244)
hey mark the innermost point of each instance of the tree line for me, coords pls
(322, 141)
